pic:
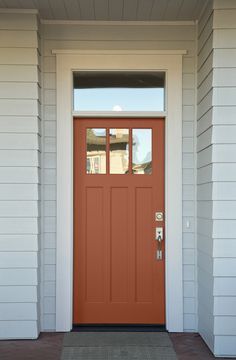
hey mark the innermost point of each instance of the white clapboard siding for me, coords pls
(15, 22)
(223, 248)
(24, 225)
(19, 158)
(224, 153)
(204, 176)
(18, 259)
(224, 4)
(224, 172)
(224, 58)
(15, 73)
(20, 329)
(225, 306)
(19, 175)
(217, 217)
(19, 124)
(18, 39)
(18, 208)
(224, 191)
(225, 345)
(19, 141)
(19, 90)
(224, 229)
(18, 311)
(224, 77)
(18, 56)
(60, 36)
(224, 19)
(18, 294)
(224, 209)
(18, 277)
(18, 242)
(18, 107)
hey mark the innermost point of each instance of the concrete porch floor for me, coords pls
(49, 345)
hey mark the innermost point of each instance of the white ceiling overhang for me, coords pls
(111, 10)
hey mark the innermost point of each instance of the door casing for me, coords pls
(170, 62)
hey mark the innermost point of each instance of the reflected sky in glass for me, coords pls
(119, 99)
(142, 146)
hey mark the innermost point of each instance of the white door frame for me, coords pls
(171, 63)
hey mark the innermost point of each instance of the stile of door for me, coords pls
(118, 188)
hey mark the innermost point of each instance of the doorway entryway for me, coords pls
(119, 266)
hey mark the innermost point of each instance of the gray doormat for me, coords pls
(117, 346)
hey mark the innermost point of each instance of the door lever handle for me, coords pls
(159, 234)
(159, 238)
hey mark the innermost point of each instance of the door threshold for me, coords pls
(118, 328)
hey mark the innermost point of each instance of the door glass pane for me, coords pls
(119, 151)
(119, 91)
(96, 151)
(142, 151)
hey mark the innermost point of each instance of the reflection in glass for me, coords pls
(119, 91)
(142, 151)
(96, 151)
(119, 151)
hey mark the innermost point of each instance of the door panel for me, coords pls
(117, 190)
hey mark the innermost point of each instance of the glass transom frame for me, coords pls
(113, 91)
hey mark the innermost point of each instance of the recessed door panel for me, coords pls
(118, 252)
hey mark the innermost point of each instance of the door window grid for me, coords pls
(109, 151)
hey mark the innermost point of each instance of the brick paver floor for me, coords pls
(49, 345)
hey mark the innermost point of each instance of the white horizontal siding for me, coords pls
(225, 4)
(19, 225)
(19, 107)
(15, 22)
(217, 179)
(19, 175)
(18, 311)
(18, 73)
(19, 124)
(18, 56)
(18, 242)
(11, 294)
(18, 277)
(225, 345)
(18, 259)
(204, 176)
(19, 329)
(18, 39)
(225, 248)
(19, 141)
(19, 158)
(18, 208)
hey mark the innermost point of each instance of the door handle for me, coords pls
(159, 238)
(159, 233)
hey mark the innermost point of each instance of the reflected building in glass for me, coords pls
(97, 151)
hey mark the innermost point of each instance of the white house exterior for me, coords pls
(196, 42)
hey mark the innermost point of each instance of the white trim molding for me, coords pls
(171, 63)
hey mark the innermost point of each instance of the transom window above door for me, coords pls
(109, 151)
(107, 91)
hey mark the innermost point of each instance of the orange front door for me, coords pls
(118, 189)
